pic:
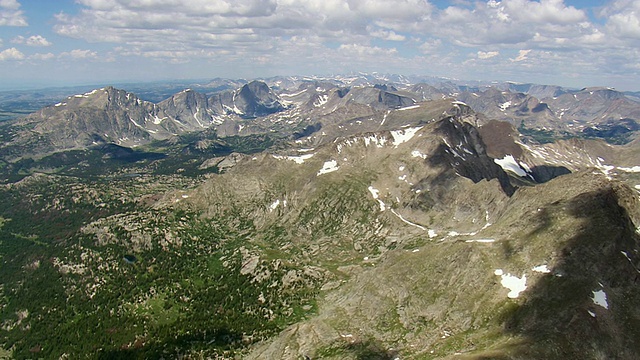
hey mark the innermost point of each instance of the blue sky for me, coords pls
(571, 43)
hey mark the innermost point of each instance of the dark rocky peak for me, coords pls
(342, 92)
(190, 108)
(256, 89)
(464, 151)
(257, 99)
(529, 104)
(385, 87)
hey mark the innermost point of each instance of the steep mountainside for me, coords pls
(104, 115)
(320, 219)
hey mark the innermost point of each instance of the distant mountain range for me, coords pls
(349, 217)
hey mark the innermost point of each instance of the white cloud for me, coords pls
(42, 56)
(522, 55)
(388, 35)
(79, 54)
(625, 25)
(37, 40)
(11, 54)
(362, 50)
(431, 46)
(10, 14)
(241, 27)
(34, 40)
(543, 12)
(474, 37)
(487, 54)
(509, 22)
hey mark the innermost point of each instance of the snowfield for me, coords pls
(515, 284)
(329, 166)
(509, 163)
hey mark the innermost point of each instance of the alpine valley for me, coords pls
(364, 216)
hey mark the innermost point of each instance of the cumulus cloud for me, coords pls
(522, 55)
(509, 22)
(79, 54)
(37, 40)
(42, 56)
(623, 19)
(10, 14)
(11, 54)
(487, 54)
(34, 40)
(238, 26)
(360, 50)
(388, 35)
(332, 34)
(430, 46)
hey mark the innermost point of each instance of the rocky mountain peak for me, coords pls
(602, 93)
(464, 150)
(257, 99)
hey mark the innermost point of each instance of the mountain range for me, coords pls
(350, 217)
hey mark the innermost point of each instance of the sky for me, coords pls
(569, 43)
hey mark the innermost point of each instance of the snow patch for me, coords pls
(322, 99)
(277, 203)
(481, 241)
(505, 106)
(600, 298)
(297, 159)
(372, 139)
(541, 269)
(634, 169)
(274, 205)
(416, 153)
(509, 163)
(384, 118)
(407, 221)
(136, 124)
(294, 94)
(515, 284)
(375, 193)
(329, 166)
(157, 120)
(408, 107)
(402, 136)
